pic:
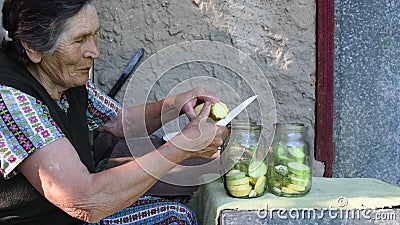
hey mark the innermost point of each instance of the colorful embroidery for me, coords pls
(101, 108)
(26, 124)
(152, 210)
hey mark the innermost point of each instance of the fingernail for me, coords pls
(207, 103)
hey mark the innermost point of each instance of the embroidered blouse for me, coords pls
(22, 113)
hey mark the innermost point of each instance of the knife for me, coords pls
(223, 122)
(124, 76)
(234, 112)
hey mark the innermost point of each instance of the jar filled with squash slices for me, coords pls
(243, 161)
(290, 162)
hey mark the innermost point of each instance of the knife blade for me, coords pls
(223, 122)
(234, 112)
(124, 76)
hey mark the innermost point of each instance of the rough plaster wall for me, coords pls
(278, 35)
(367, 90)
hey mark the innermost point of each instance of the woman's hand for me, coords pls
(186, 101)
(142, 120)
(200, 139)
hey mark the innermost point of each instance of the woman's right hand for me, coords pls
(200, 139)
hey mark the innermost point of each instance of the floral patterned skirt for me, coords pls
(152, 210)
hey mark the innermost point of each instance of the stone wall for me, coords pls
(367, 90)
(278, 36)
(275, 38)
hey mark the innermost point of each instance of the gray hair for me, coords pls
(39, 23)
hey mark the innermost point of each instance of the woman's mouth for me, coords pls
(85, 70)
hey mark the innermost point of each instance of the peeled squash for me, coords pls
(300, 170)
(259, 188)
(288, 190)
(243, 187)
(257, 169)
(242, 193)
(218, 111)
(235, 175)
(240, 181)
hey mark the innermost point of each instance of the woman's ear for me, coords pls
(33, 55)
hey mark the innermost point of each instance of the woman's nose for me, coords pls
(91, 50)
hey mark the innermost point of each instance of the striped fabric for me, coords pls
(152, 210)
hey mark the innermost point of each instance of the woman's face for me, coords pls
(69, 65)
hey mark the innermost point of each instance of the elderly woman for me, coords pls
(48, 107)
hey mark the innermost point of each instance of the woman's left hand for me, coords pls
(186, 101)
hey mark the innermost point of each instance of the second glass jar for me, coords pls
(289, 166)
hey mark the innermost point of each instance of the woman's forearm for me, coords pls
(92, 196)
(142, 120)
(57, 172)
(131, 180)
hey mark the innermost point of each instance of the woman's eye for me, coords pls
(80, 39)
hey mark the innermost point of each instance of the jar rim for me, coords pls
(290, 126)
(244, 125)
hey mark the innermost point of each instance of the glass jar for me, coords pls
(243, 161)
(289, 166)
